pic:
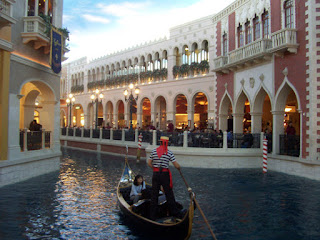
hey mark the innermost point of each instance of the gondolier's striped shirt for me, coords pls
(163, 161)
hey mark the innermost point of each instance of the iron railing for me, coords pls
(290, 145)
(34, 140)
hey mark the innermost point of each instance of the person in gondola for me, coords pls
(159, 161)
(137, 188)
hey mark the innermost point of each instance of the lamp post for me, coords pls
(70, 102)
(130, 99)
(96, 98)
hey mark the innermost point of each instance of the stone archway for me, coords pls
(225, 114)
(39, 97)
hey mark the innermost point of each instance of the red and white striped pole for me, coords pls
(265, 157)
(139, 147)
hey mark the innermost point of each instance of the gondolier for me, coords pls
(159, 162)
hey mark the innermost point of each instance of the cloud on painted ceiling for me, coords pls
(97, 19)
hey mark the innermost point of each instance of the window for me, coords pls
(224, 45)
(265, 24)
(288, 10)
(240, 36)
(31, 7)
(41, 9)
(256, 28)
(248, 33)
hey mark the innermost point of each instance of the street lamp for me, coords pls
(96, 98)
(131, 98)
(70, 102)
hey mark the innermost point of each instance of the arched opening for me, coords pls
(39, 99)
(100, 114)
(286, 129)
(121, 121)
(242, 116)
(146, 113)
(225, 116)
(77, 116)
(161, 116)
(246, 116)
(181, 112)
(63, 119)
(200, 111)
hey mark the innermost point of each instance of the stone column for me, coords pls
(256, 122)
(238, 122)
(223, 122)
(277, 129)
(171, 64)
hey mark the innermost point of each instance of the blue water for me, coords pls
(79, 202)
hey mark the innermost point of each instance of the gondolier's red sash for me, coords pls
(155, 169)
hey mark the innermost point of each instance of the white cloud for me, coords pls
(122, 9)
(98, 19)
(132, 28)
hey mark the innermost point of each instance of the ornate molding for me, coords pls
(252, 81)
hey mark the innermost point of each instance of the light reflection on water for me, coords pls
(79, 202)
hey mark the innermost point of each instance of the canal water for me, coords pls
(79, 202)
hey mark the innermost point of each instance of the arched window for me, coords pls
(288, 11)
(240, 36)
(256, 28)
(224, 44)
(248, 32)
(265, 25)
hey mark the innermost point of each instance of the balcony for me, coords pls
(284, 40)
(250, 54)
(34, 31)
(6, 13)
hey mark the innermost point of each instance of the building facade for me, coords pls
(252, 67)
(30, 90)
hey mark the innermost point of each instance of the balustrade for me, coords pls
(34, 140)
(176, 138)
(285, 39)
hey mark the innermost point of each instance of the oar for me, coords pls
(198, 206)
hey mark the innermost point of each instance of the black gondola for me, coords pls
(137, 214)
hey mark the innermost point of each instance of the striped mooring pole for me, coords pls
(265, 157)
(139, 147)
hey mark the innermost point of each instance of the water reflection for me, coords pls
(79, 202)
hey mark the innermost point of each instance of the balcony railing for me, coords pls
(281, 41)
(284, 40)
(34, 140)
(6, 12)
(251, 51)
(34, 30)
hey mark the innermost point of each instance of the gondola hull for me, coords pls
(168, 228)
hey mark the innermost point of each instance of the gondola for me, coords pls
(137, 214)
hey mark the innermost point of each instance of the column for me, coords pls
(153, 118)
(139, 118)
(190, 112)
(4, 107)
(171, 64)
(238, 122)
(277, 129)
(223, 122)
(256, 122)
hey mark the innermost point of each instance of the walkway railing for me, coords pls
(176, 139)
(290, 145)
(34, 140)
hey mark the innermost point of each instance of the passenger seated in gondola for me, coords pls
(138, 186)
